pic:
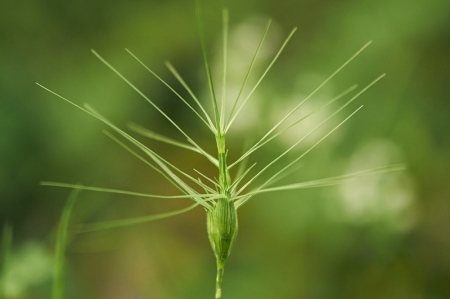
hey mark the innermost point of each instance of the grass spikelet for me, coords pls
(224, 195)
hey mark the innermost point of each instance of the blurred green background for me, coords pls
(378, 237)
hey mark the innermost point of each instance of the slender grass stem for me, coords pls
(241, 177)
(189, 90)
(224, 79)
(152, 155)
(155, 136)
(313, 130)
(146, 98)
(158, 137)
(124, 192)
(317, 88)
(171, 89)
(91, 227)
(330, 181)
(146, 162)
(208, 68)
(263, 140)
(295, 160)
(247, 75)
(219, 279)
(164, 164)
(208, 179)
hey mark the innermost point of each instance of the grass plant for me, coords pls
(224, 196)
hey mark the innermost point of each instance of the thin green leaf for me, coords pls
(285, 174)
(170, 87)
(61, 242)
(337, 111)
(248, 72)
(155, 157)
(184, 84)
(239, 178)
(107, 123)
(116, 191)
(155, 136)
(322, 84)
(207, 67)
(63, 98)
(158, 161)
(90, 227)
(145, 161)
(193, 195)
(332, 181)
(295, 160)
(146, 98)
(207, 190)
(207, 178)
(262, 141)
(224, 82)
(158, 137)
(262, 77)
(242, 166)
(95, 116)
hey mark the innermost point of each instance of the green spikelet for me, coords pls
(222, 227)
(222, 196)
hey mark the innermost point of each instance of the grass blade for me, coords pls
(102, 120)
(146, 98)
(158, 161)
(332, 181)
(207, 67)
(155, 136)
(208, 179)
(61, 242)
(145, 161)
(239, 178)
(248, 72)
(262, 141)
(116, 191)
(295, 160)
(322, 84)
(192, 195)
(131, 221)
(262, 77)
(184, 84)
(155, 157)
(285, 174)
(224, 82)
(170, 87)
(158, 137)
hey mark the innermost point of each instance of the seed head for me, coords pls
(222, 227)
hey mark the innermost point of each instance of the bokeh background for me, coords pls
(379, 237)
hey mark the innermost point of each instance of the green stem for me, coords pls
(219, 278)
(224, 181)
(224, 176)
